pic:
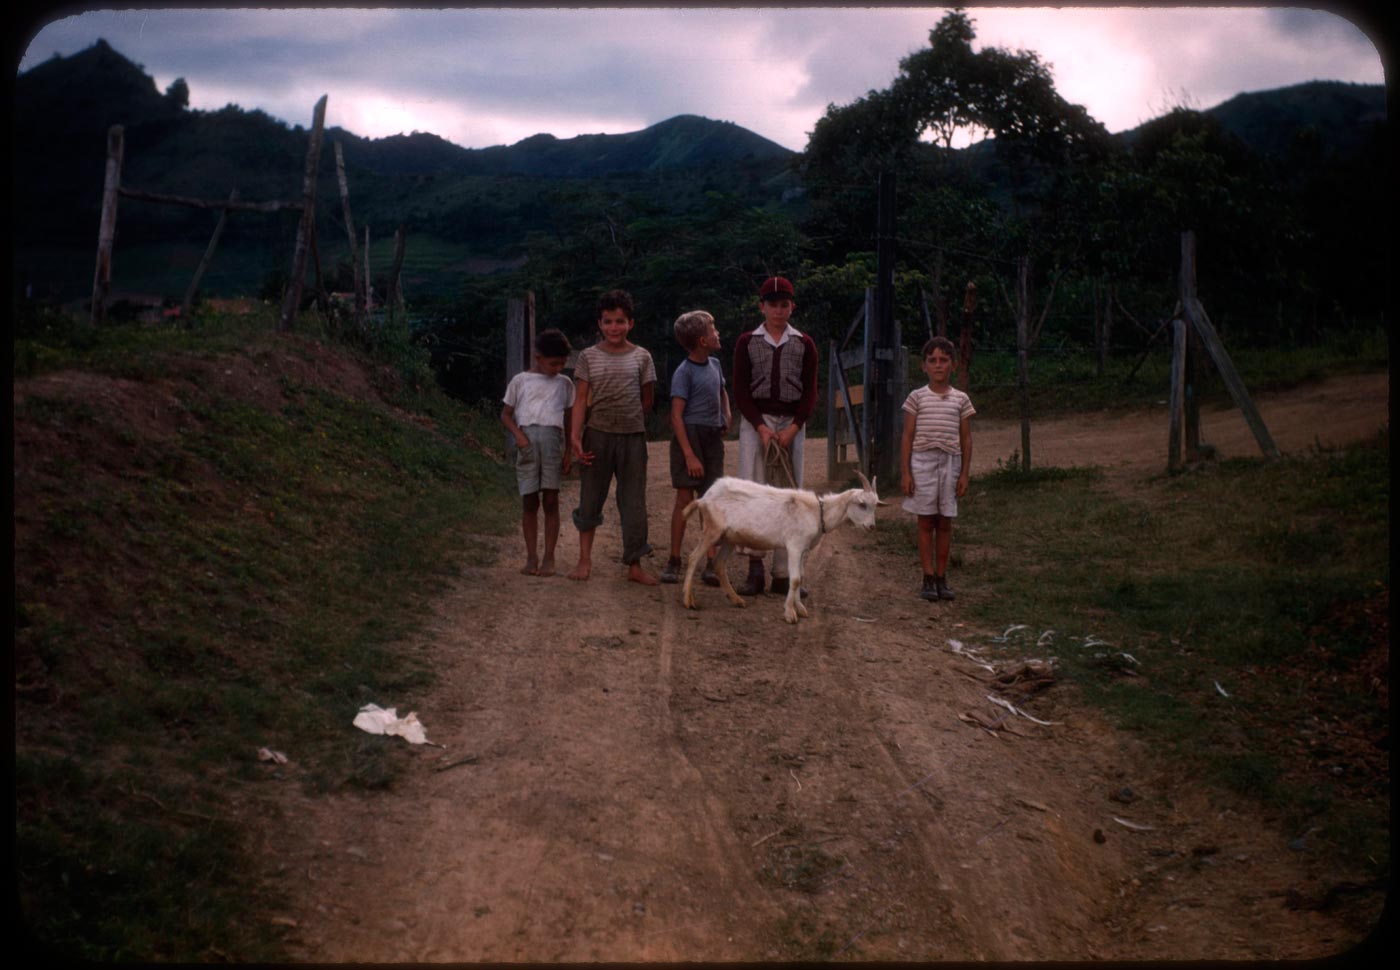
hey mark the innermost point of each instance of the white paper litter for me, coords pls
(376, 720)
(1221, 689)
(961, 651)
(1135, 826)
(276, 757)
(1014, 710)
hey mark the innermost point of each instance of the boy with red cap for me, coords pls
(775, 390)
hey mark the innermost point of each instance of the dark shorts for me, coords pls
(708, 445)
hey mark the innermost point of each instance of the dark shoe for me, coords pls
(709, 577)
(930, 589)
(780, 587)
(673, 570)
(945, 592)
(753, 586)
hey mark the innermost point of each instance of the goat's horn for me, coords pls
(865, 482)
(878, 500)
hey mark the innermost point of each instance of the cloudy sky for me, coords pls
(490, 76)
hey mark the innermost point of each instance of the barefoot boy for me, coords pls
(935, 454)
(536, 413)
(699, 422)
(616, 380)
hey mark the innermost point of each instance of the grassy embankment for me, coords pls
(223, 536)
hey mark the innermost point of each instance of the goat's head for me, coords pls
(861, 510)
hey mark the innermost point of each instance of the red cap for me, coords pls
(775, 286)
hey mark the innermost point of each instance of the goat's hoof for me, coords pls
(801, 610)
(790, 617)
(738, 602)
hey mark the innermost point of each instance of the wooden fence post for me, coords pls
(965, 334)
(1192, 363)
(107, 228)
(188, 301)
(1023, 379)
(368, 280)
(291, 299)
(359, 281)
(395, 295)
(520, 333)
(1175, 395)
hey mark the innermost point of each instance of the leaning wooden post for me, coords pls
(359, 279)
(1196, 313)
(1175, 394)
(291, 299)
(188, 301)
(1023, 380)
(107, 228)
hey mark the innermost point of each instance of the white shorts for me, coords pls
(541, 465)
(935, 476)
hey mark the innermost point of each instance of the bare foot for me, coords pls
(546, 567)
(531, 568)
(637, 574)
(582, 571)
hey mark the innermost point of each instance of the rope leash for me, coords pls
(777, 466)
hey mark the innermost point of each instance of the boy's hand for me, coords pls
(584, 457)
(522, 442)
(787, 436)
(694, 467)
(906, 483)
(765, 435)
(962, 485)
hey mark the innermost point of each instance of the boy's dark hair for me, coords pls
(940, 343)
(616, 300)
(691, 327)
(552, 343)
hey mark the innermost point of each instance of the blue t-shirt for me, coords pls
(700, 385)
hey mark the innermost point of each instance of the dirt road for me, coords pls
(656, 784)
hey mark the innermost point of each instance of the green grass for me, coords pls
(1066, 378)
(188, 599)
(1252, 575)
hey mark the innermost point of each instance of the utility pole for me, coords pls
(885, 353)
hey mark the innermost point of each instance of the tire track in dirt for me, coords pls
(662, 785)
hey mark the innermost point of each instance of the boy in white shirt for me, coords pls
(935, 454)
(536, 414)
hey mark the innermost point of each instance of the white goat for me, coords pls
(738, 512)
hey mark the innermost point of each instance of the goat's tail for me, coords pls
(686, 512)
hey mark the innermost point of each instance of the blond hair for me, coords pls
(692, 326)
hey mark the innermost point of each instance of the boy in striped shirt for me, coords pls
(615, 381)
(935, 453)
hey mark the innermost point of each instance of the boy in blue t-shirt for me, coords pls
(699, 421)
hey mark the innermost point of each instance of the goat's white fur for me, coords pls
(737, 512)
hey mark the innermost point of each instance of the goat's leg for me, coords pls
(796, 583)
(688, 590)
(722, 571)
(794, 593)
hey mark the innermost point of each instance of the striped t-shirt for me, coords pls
(937, 418)
(615, 384)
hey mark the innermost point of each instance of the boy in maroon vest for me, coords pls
(775, 390)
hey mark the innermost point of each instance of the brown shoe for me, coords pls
(945, 592)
